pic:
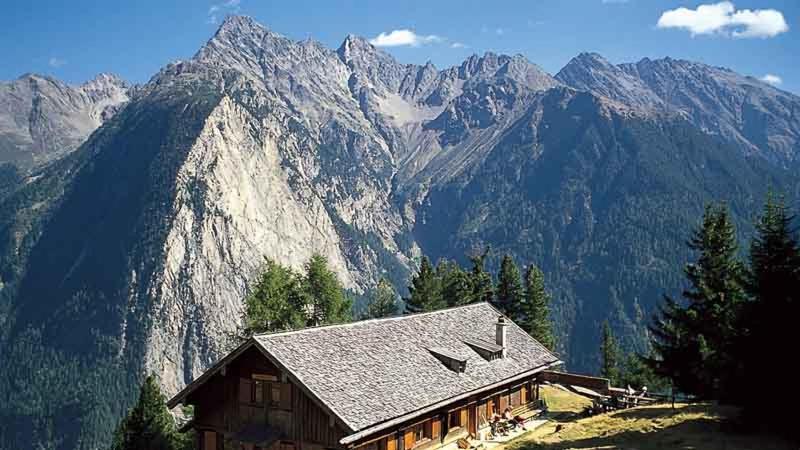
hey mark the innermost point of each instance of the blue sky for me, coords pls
(77, 39)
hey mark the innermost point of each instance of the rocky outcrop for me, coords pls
(42, 118)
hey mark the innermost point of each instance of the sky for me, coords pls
(75, 40)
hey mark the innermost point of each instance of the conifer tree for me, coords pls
(694, 343)
(535, 310)
(455, 282)
(325, 295)
(773, 283)
(425, 293)
(383, 302)
(509, 294)
(481, 280)
(149, 425)
(276, 302)
(609, 352)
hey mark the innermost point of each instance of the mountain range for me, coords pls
(42, 118)
(132, 219)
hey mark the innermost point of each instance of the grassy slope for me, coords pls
(699, 426)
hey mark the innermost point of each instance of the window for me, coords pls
(275, 395)
(454, 420)
(417, 434)
(258, 392)
(515, 397)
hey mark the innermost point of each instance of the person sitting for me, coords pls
(517, 420)
(513, 421)
(498, 426)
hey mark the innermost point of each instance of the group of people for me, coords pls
(502, 423)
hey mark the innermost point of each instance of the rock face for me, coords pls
(42, 118)
(132, 254)
(755, 116)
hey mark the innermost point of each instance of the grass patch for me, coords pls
(697, 426)
(561, 402)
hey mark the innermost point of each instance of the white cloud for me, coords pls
(56, 62)
(226, 7)
(458, 45)
(772, 79)
(396, 38)
(500, 31)
(723, 18)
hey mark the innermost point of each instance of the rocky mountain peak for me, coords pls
(240, 25)
(591, 72)
(354, 47)
(239, 43)
(105, 83)
(516, 68)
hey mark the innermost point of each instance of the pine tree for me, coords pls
(609, 351)
(149, 425)
(276, 302)
(773, 283)
(535, 311)
(383, 302)
(694, 343)
(425, 293)
(455, 282)
(481, 280)
(509, 294)
(635, 372)
(325, 295)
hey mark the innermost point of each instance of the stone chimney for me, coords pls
(501, 335)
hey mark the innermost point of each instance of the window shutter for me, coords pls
(408, 438)
(463, 420)
(436, 428)
(209, 440)
(391, 443)
(245, 390)
(286, 396)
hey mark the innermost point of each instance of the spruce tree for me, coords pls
(383, 302)
(609, 352)
(509, 294)
(694, 342)
(773, 283)
(425, 293)
(455, 282)
(535, 310)
(276, 302)
(149, 425)
(481, 280)
(328, 302)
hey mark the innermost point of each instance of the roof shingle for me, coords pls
(376, 370)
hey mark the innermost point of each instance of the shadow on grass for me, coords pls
(664, 412)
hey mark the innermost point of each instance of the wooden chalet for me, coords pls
(419, 381)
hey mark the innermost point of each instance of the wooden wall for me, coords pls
(224, 405)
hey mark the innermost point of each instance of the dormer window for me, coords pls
(450, 359)
(488, 350)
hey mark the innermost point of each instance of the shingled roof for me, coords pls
(373, 371)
